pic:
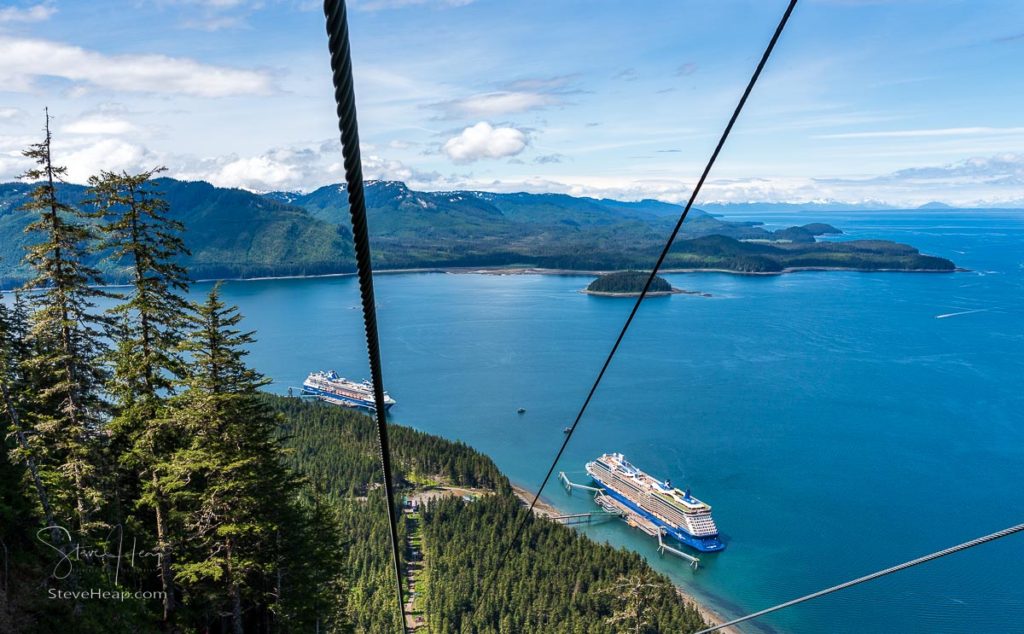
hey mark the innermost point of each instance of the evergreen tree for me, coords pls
(13, 507)
(15, 394)
(635, 595)
(139, 235)
(229, 483)
(67, 338)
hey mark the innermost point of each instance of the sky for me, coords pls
(902, 102)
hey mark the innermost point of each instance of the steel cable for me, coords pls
(344, 96)
(871, 577)
(657, 266)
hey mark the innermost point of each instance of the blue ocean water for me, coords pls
(838, 422)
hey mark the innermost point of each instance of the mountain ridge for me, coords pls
(234, 233)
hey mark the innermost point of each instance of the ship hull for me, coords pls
(703, 544)
(341, 399)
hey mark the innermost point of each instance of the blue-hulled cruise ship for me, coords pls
(677, 513)
(329, 387)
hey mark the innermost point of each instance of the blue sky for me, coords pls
(903, 101)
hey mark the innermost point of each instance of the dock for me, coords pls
(631, 518)
(570, 485)
(663, 548)
(582, 518)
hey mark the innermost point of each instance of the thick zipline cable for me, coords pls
(344, 96)
(654, 271)
(875, 575)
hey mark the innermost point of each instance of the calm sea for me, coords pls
(837, 422)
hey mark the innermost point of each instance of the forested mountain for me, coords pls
(231, 233)
(235, 233)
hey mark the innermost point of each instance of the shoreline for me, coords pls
(548, 510)
(478, 270)
(522, 270)
(674, 291)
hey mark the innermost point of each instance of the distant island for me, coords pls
(629, 284)
(237, 234)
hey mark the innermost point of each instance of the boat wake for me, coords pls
(965, 312)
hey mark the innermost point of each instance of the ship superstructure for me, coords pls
(679, 514)
(329, 387)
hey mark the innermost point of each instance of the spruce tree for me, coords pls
(67, 338)
(15, 397)
(12, 502)
(229, 483)
(139, 236)
(636, 595)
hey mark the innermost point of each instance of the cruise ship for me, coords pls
(329, 387)
(679, 514)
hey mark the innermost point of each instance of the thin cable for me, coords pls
(344, 96)
(657, 266)
(875, 575)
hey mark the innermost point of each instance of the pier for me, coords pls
(570, 485)
(663, 548)
(583, 518)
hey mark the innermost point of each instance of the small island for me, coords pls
(629, 284)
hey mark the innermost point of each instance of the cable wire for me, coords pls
(654, 271)
(875, 575)
(344, 96)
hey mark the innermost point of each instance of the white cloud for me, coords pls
(976, 182)
(27, 59)
(114, 155)
(493, 104)
(1002, 168)
(932, 132)
(277, 169)
(294, 169)
(981, 181)
(100, 124)
(484, 141)
(6, 114)
(260, 172)
(35, 13)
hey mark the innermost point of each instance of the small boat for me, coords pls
(567, 430)
(521, 410)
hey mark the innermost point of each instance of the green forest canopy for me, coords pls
(628, 282)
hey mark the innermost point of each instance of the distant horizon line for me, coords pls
(812, 205)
